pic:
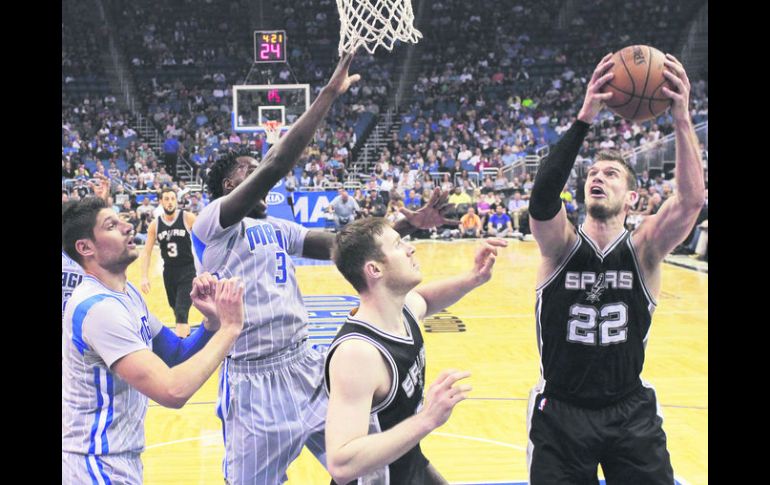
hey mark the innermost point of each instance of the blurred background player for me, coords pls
(116, 354)
(375, 367)
(172, 231)
(596, 293)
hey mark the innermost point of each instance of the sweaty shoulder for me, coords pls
(207, 227)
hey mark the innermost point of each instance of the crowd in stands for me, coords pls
(508, 87)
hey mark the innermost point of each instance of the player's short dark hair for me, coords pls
(615, 156)
(167, 189)
(356, 244)
(220, 170)
(78, 219)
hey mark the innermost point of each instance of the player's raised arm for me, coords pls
(548, 218)
(435, 296)
(284, 154)
(660, 233)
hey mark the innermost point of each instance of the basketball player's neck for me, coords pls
(383, 310)
(604, 231)
(170, 217)
(114, 279)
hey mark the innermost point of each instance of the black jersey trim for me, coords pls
(592, 244)
(409, 339)
(394, 382)
(647, 292)
(561, 265)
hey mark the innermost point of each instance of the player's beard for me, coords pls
(169, 212)
(603, 212)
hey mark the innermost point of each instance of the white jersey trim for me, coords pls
(408, 339)
(612, 245)
(561, 265)
(647, 292)
(169, 224)
(394, 380)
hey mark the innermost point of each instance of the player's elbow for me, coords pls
(176, 397)
(340, 472)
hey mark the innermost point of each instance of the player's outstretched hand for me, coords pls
(204, 289)
(486, 254)
(443, 395)
(675, 73)
(146, 286)
(433, 213)
(341, 80)
(595, 99)
(229, 302)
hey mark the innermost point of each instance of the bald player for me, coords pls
(116, 355)
(271, 397)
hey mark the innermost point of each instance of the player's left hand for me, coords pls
(675, 73)
(433, 214)
(203, 293)
(485, 258)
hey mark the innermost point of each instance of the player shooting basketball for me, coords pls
(597, 290)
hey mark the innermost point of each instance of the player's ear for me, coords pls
(633, 197)
(85, 247)
(373, 270)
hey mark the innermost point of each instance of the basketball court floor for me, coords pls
(491, 333)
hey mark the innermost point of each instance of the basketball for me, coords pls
(638, 82)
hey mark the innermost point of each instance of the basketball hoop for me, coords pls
(272, 131)
(372, 23)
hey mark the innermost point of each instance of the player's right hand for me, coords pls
(595, 99)
(145, 286)
(443, 395)
(229, 303)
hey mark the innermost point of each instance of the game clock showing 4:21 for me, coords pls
(270, 46)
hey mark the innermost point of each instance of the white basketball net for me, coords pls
(272, 131)
(371, 23)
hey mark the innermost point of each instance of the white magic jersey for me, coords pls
(259, 252)
(71, 274)
(101, 413)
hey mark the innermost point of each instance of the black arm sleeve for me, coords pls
(544, 202)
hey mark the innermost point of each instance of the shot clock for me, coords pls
(269, 46)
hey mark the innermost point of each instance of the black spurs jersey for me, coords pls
(406, 356)
(175, 242)
(593, 317)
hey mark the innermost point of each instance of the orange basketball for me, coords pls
(636, 87)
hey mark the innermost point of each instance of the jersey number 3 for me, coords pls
(280, 267)
(612, 321)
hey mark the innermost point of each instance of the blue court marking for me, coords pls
(326, 314)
